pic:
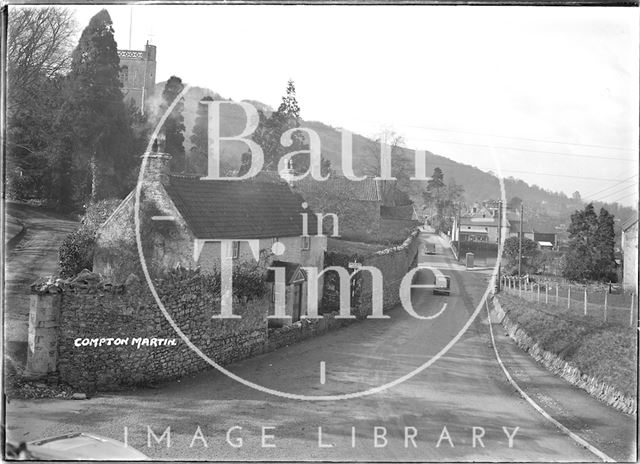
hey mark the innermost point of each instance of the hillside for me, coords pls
(543, 207)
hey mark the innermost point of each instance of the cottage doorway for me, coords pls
(297, 302)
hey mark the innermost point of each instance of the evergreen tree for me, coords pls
(197, 161)
(433, 196)
(267, 136)
(95, 110)
(605, 265)
(270, 130)
(174, 125)
(286, 117)
(435, 183)
(580, 260)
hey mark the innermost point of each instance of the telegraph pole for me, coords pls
(499, 242)
(520, 242)
(458, 232)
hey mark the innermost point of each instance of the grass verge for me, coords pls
(604, 350)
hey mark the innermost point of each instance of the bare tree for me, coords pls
(39, 43)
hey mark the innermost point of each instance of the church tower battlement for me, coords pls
(138, 74)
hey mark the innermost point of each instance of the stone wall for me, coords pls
(302, 329)
(394, 230)
(558, 366)
(110, 334)
(93, 309)
(393, 263)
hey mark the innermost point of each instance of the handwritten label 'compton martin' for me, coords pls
(135, 341)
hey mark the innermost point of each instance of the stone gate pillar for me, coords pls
(44, 319)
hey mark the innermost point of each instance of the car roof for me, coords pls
(83, 446)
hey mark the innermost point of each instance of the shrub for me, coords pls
(77, 249)
(76, 252)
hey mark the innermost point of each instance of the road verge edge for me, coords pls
(528, 399)
(558, 366)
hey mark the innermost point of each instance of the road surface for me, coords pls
(36, 255)
(431, 417)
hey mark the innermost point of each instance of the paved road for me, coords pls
(462, 390)
(36, 255)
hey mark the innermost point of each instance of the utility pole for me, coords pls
(520, 241)
(458, 233)
(499, 242)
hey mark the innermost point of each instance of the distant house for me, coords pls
(514, 220)
(478, 224)
(184, 219)
(630, 254)
(479, 229)
(546, 239)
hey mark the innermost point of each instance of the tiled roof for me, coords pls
(480, 221)
(340, 186)
(216, 209)
(630, 221)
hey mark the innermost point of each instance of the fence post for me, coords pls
(557, 290)
(585, 301)
(538, 293)
(606, 294)
(631, 312)
(569, 298)
(546, 294)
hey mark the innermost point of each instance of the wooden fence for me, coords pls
(618, 308)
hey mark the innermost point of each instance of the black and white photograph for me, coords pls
(333, 232)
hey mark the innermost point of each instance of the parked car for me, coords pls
(74, 446)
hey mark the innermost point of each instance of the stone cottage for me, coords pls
(184, 221)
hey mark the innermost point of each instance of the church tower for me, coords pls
(138, 74)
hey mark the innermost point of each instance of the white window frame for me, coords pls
(305, 240)
(235, 249)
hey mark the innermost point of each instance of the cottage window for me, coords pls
(235, 250)
(306, 243)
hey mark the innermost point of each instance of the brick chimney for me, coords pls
(157, 167)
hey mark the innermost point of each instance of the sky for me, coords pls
(548, 94)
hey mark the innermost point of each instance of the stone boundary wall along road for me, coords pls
(91, 311)
(555, 364)
(393, 263)
(96, 335)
